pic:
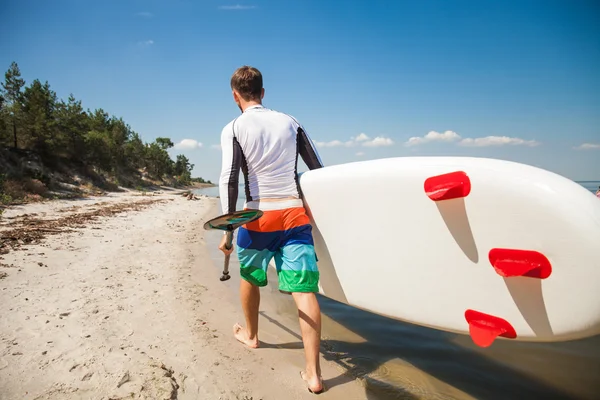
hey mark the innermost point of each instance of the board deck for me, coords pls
(474, 246)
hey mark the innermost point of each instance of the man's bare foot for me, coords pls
(314, 383)
(241, 334)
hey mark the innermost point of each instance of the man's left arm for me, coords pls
(230, 170)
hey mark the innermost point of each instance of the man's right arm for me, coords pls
(307, 150)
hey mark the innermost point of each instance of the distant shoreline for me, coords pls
(198, 185)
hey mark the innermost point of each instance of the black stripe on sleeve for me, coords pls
(245, 171)
(234, 176)
(307, 152)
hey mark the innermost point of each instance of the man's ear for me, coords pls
(262, 93)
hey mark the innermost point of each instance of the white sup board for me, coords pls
(474, 246)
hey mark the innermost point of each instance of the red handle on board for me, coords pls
(485, 328)
(512, 262)
(448, 186)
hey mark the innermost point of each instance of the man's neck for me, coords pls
(249, 104)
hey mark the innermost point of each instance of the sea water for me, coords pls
(592, 186)
(397, 360)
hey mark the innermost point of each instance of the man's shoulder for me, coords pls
(239, 120)
(229, 127)
(284, 114)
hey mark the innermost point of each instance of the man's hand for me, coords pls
(222, 246)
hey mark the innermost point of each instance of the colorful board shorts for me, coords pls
(284, 233)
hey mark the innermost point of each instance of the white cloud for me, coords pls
(335, 143)
(360, 140)
(188, 144)
(146, 43)
(433, 136)
(144, 14)
(236, 7)
(497, 141)
(588, 146)
(360, 154)
(215, 146)
(379, 141)
(453, 137)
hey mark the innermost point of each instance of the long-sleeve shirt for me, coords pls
(265, 145)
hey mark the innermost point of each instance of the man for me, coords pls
(265, 145)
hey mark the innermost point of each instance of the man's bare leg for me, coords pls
(250, 297)
(309, 313)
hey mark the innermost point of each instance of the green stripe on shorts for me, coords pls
(298, 281)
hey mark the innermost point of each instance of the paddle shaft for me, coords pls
(228, 243)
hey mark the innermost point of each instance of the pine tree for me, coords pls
(13, 99)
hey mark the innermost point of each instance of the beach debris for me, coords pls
(191, 196)
(3, 275)
(124, 379)
(7, 265)
(87, 376)
(28, 230)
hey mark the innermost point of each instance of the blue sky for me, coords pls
(515, 80)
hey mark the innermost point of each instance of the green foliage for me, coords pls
(12, 94)
(164, 143)
(33, 118)
(182, 170)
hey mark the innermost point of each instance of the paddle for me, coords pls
(228, 223)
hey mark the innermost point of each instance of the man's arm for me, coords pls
(230, 170)
(307, 150)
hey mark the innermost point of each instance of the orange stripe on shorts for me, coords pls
(279, 220)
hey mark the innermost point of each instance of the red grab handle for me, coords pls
(453, 185)
(512, 262)
(485, 328)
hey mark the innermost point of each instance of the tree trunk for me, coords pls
(15, 133)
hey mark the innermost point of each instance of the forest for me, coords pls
(61, 138)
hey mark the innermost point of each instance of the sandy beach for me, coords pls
(117, 297)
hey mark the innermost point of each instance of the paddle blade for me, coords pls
(232, 221)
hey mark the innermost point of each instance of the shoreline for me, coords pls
(124, 301)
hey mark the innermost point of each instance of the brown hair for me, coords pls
(248, 82)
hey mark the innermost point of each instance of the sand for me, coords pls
(118, 298)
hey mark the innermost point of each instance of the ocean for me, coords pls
(397, 360)
(592, 186)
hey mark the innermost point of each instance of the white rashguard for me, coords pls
(265, 145)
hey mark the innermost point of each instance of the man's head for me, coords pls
(247, 86)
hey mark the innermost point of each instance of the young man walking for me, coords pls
(265, 144)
